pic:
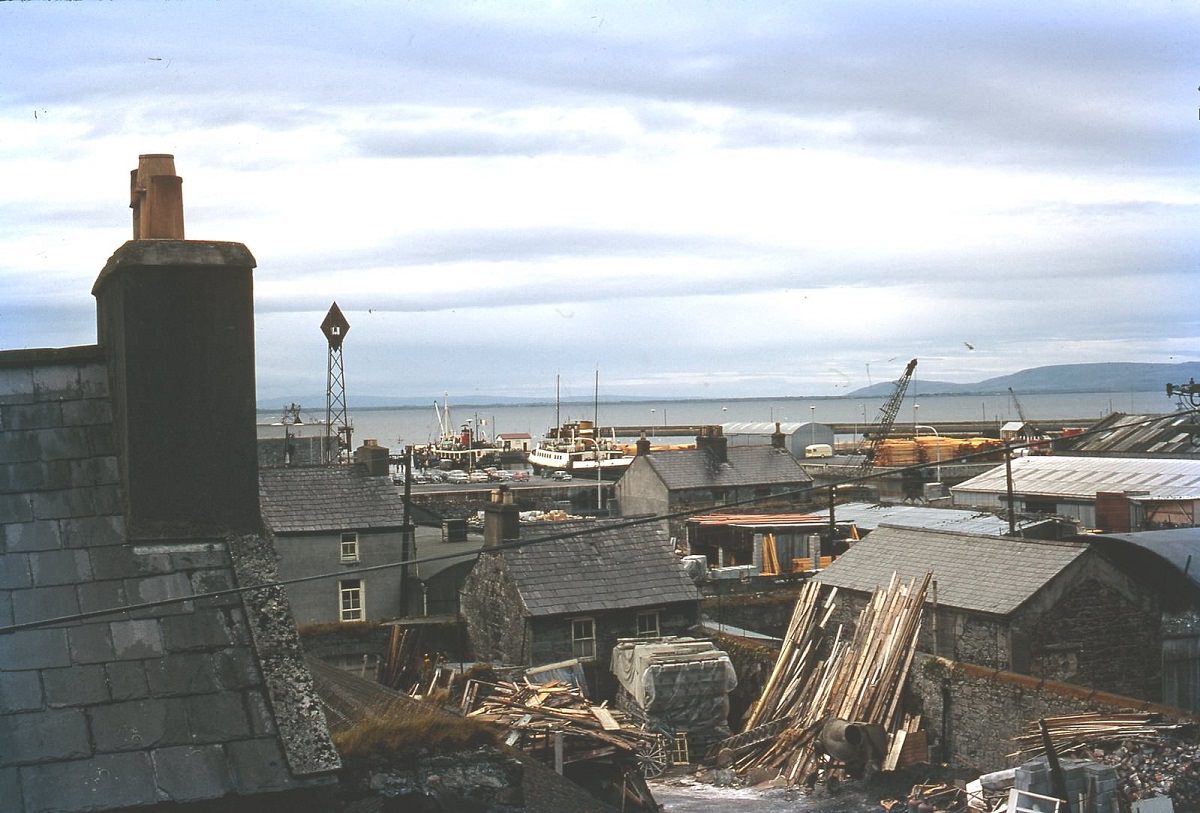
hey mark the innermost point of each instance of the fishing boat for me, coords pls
(464, 448)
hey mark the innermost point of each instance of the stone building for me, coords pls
(710, 476)
(1055, 610)
(573, 595)
(136, 669)
(330, 518)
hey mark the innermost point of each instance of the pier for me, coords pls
(950, 429)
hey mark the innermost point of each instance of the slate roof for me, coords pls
(746, 466)
(1082, 477)
(979, 573)
(605, 569)
(168, 704)
(326, 499)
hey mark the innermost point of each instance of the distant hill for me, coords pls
(316, 403)
(1098, 377)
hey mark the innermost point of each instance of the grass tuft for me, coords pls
(384, 739)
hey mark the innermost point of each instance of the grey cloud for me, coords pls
(459, 142)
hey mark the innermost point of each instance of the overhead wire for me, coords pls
(631, 522)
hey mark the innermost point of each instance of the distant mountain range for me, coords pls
(1099, 377)
(1056, 378)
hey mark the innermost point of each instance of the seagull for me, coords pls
(969, 346)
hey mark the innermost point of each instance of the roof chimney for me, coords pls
(501, 519)
(175, 319)
(643, 444)
(778, 439)
(156, 198)
(373, 457)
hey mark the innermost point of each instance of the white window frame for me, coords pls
(583, 647)
(348, 547)
(647, 633)
(352, 600)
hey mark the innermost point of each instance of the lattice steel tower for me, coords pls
(335, 328)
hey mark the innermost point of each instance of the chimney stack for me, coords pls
(501, 519)
(373, 457)
(643, 445)
(713, 441)
(778, 439)
(175, 320)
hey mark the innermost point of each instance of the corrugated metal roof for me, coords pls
(869, 516)
(744, 466)
(1179, 547)
(979, 573)
(1082, 477)
(756, 519)
(1136, 434)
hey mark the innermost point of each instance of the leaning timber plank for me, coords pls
(607, 722)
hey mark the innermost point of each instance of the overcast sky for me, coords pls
(697, 199)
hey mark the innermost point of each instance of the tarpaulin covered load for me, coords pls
(681, 684)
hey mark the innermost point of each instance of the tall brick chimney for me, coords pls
(175, 319)
(713, 441)
(501, 519)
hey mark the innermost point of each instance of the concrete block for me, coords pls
(19, 447)
(127, 680)
(59, 567)
(138, 725)
(20, 691)
(136, 639)
(39, 415)
(31, 536)
(104, 782)
(56, 381)
(198, 631)
(86, 412)
(217, 717)
(16, 507)
(34, 649)
(181, 674)
(91, 643)
(191, 773)
(44, 603)
(42, 736)
(93, 532)
(258, 766)
(75, 686)
(104, 595)
(14, 571)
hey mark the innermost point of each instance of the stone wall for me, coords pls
(766, 612)
(494, 613)
(971, 713)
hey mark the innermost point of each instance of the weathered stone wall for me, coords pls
(764, 612)
(972, 713)
(494, 613)
(1096, 637)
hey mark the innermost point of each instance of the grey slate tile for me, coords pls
(48, 734)
(90, 643)
(34, 649)
(16, 507)
(44, 603)
(127, 680)
(14, 571)
(56, 381)
(189, 773)
(102, 782)
(19, 447)
(94, 532)
(217, 717)
(75, 686)
(31, 536)
(59, 567)
(258, 766)
(86, 412)
(136, 639)
(100, 595)
(20, 691)
(178, 675)
(38, 415)
(139, 724)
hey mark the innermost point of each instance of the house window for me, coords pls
(719, 496)
(583, 639)
(350, 547)
(647, 624)
(350, 594)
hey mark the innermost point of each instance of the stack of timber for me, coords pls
(1152, 756)
(818, 678)
(557, 719)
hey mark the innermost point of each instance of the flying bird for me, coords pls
(969, 346)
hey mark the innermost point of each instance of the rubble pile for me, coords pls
(1152, 756)
(821, 678)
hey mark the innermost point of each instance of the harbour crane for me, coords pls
(882, 427)
(1030, 432)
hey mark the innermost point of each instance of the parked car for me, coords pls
(562, 475)
(457, 476)
(478, 477)
(520, 475)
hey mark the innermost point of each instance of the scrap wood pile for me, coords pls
(937, 797)
(820, 675)
(533, 714)
(1152, 756)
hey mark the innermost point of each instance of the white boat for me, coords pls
(576, 448)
